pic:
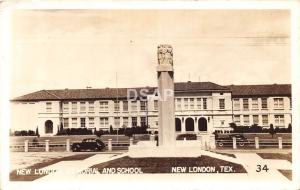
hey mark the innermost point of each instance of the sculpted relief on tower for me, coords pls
(165, 54)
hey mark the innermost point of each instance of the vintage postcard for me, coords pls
(161, 95)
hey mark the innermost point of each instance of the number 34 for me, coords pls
(261, 168)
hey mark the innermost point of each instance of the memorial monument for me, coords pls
(166, 110)
(168, 146)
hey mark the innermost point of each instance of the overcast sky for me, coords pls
(57, 49)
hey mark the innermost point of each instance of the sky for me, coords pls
(57, 49)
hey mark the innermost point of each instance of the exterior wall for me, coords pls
(270, 111)
(53, 114)
(217, 118)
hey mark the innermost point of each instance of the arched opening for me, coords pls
(177, 124)
(202, 124)
(48, 126)
(189, 124)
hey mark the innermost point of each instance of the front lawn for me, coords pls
(279, 156)
(14, 176)
(165, 165)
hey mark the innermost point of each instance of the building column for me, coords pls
(196, 130)
(183, 125)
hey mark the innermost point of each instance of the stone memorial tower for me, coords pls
(165, 76)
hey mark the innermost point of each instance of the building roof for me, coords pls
(261, 90)
(113, 93)
(199, 86)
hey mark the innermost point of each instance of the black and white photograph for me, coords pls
(197, 97)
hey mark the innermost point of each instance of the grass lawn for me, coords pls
(164, 165)
(226, 154)
(280, 156)
(286, 173)
(13, 176)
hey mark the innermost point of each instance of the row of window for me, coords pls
(180, 104)
(104, 123)
(104, 106)
(191, 103)
(279, 119)
(278, 103)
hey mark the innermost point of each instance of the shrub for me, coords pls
(99, 133)
(187, 137)
(75, 131)
(255, 129)
(289, 129)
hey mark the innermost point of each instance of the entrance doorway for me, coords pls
(189, 124)
(202, 124)
(48, 126)
(177, 124)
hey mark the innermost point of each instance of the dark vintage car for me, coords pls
(91, 144)
(241, 140)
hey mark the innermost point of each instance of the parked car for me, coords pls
(241, 140)
(91, 144)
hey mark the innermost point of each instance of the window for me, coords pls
(125, 121)
(199, 103)
(204, 103)
(66, 122)
(117, 105)
(222, 122)
(133, 106)
(278, 103)
(104, 122)
(74, 122)
(237, 120)
(254, 103)
(91, 122)
(125, 105)
(143, 105)
(117, 122)
(82, 106)
(143, 121)
(279, 120)
(192, 103)
(245, 103)
(291, 102)
(178, 103)
(48, 106)
(104, 106)
(134, 121)
(91, 106)
(74, 107)
(255, 119)
(246, 120)
(186, 103)
(265, 120)
(65, 106)
(264, 103)
(236, 104)
(155, 104)
(222, 103)
(82, 122)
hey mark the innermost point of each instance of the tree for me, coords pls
(272, 130)
(289, 129)
(37, 132)
(111, 130)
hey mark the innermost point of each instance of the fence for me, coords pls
(233, 143)
(255, 143)
(47, 145)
